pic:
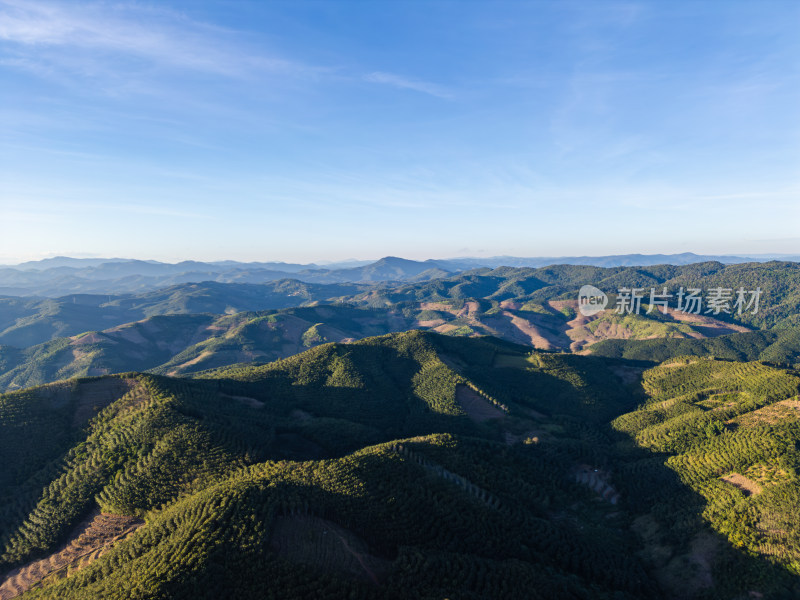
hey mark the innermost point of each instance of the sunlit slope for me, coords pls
(731, 432)
(167, 447)
(407, 465)
(780, 346)
(183, 343)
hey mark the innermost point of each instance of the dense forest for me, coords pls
(779, 346)
(412, 465)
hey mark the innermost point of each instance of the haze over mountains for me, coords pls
(63, 275)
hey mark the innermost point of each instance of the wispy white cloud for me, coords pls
(406, 83)
(42, 34)
(131, 49)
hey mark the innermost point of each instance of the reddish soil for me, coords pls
(707, 325)
(87, 543)
(748, 486)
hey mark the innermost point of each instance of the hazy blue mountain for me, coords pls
(29, 321)
(62, 275)
(618, 260)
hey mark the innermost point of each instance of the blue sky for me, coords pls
(301, 131)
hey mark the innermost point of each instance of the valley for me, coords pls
(458, 436)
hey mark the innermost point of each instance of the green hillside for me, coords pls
(30, 321)
(730, 432)
(779, 346)
(412, 465)
(182, 344)
(779, 282)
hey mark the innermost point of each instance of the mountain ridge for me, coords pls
(453, 467)
(115, 276)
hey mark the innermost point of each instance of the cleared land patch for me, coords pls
(748, 486)
(87, 543)
(476, 406)
(93, 396)
(246, 400)
(323, 544)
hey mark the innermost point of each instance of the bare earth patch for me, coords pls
(87, 543)
(94, 396)
(325, 545)
(748, 486)
(445, 328)
(707, 325)
(246, 400)
(129, 333)
(779, 412)
(200, 357)
(476, 406)
(441, 306)
(628, 375)
(90, 338)
(537, 338)
(430, 324)
(470, 310)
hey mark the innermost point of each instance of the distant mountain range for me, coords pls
(61, 276)
(26, 321)
(192, 327)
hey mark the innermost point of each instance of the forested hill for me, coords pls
(778, 346)
(412, 465)
(29, 321)
(181, 344)
(779, 283)
(60, 276)
(192, 327)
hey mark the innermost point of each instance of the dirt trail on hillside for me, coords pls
(87, 543)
